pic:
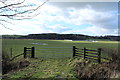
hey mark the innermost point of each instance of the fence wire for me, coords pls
(54, 52)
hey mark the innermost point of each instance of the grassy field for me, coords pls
(55, 48)
(51, 65)
(44, 68)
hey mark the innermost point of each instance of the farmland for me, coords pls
(54, 57)
(55, 48)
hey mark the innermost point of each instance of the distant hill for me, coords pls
(10, 36)
(55, 36)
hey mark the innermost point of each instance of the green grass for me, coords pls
(51, 62)
(44, 51)
(45, 68)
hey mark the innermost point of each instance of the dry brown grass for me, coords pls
(8, 65)
(104, 71)
(98, 71)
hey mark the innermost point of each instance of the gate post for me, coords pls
(84, 53)
(74, 51)
(25, 49)
(11, 52)
(33, 52)
(99, 55)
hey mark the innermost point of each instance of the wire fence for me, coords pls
(54, 52)
(61, 52)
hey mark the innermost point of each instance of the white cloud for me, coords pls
(59, 28)
(103, 22)
(95, 31)
(90, 16)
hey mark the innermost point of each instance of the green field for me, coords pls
(55, 61)
(55, 48)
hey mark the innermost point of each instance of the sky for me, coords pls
(88, 18)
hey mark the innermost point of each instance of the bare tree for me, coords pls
(17, 10)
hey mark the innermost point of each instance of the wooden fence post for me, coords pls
(84, 53)
(33, 52)
(25, 49)
(99, 55)
(11, 52)
(74, 51)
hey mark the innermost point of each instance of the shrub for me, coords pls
(8, 64)
(87, 70)
(113, 53)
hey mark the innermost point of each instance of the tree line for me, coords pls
(55, 36)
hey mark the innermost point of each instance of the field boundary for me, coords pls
(91, 54)
(27, 51)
